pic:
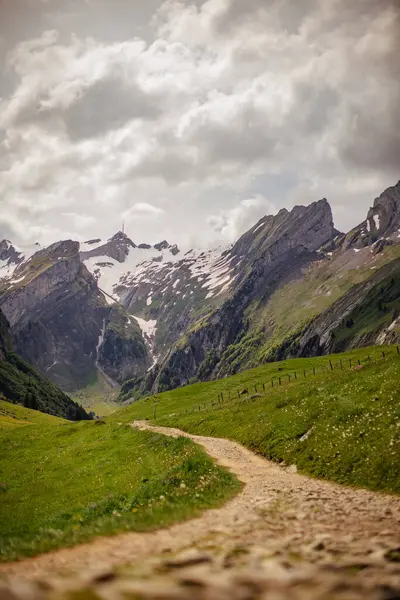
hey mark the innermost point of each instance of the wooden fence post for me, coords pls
(330, 362)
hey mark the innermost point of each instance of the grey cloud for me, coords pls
(250, 137)
(107, 105)
(7, 231)
(373, 141)
(288, 14)
(307, 88)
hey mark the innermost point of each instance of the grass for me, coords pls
(13, 415)
(65, 483)
(62, 484)
(21, 384)
(98, 397)
(299, 301)
(338, 425)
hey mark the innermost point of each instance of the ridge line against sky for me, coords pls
(192, 120)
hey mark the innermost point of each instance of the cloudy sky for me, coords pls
(190, 119)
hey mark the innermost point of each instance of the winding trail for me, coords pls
(279, 513)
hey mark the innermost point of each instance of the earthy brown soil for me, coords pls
(284, 536)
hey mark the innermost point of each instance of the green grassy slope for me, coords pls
(64, 483)
(12, 415)
(295, 304)
(340, 425)
(22, 384)
(98, 397)
(379, 309)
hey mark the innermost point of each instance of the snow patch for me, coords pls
(148, 328)
(53, 365)
(258, 227)
(100, 341)
(377, 221)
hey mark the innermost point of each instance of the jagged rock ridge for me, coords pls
(58, 314)
(163, 318)
(275, 249)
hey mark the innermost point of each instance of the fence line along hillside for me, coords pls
(243, 394)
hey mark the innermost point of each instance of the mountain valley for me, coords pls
(152, 317)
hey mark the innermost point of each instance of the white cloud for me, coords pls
(142, 210)
(227, 94)
(230, 224)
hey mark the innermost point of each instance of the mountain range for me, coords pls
(151, 317)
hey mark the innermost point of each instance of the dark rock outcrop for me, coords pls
(56, 313)
(123, 353)
(8, 254)
(116, 247)
(21, 384)
(382, 222)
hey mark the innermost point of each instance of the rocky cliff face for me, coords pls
(123, 308)
(5, 337)
(122, 353)
(62, 322)
(116, 248)
(21, 384)
(366, 315)
(382, 224)
(56, 313)
(273, 251)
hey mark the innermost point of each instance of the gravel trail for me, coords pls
(299, 535)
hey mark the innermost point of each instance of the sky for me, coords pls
(189, 120)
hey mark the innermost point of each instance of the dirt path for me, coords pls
(281, 520)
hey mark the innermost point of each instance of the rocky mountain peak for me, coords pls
(117, 247)
(385, 214)
(310, 227)
(123, 238)
(382, 225)
(8, 254)
(164, 245)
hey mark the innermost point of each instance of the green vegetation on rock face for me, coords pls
(22, 384)
(96, 478)
(274, 328)
(379, 309)
(339, 425)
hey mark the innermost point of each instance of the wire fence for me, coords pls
(257, 390)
